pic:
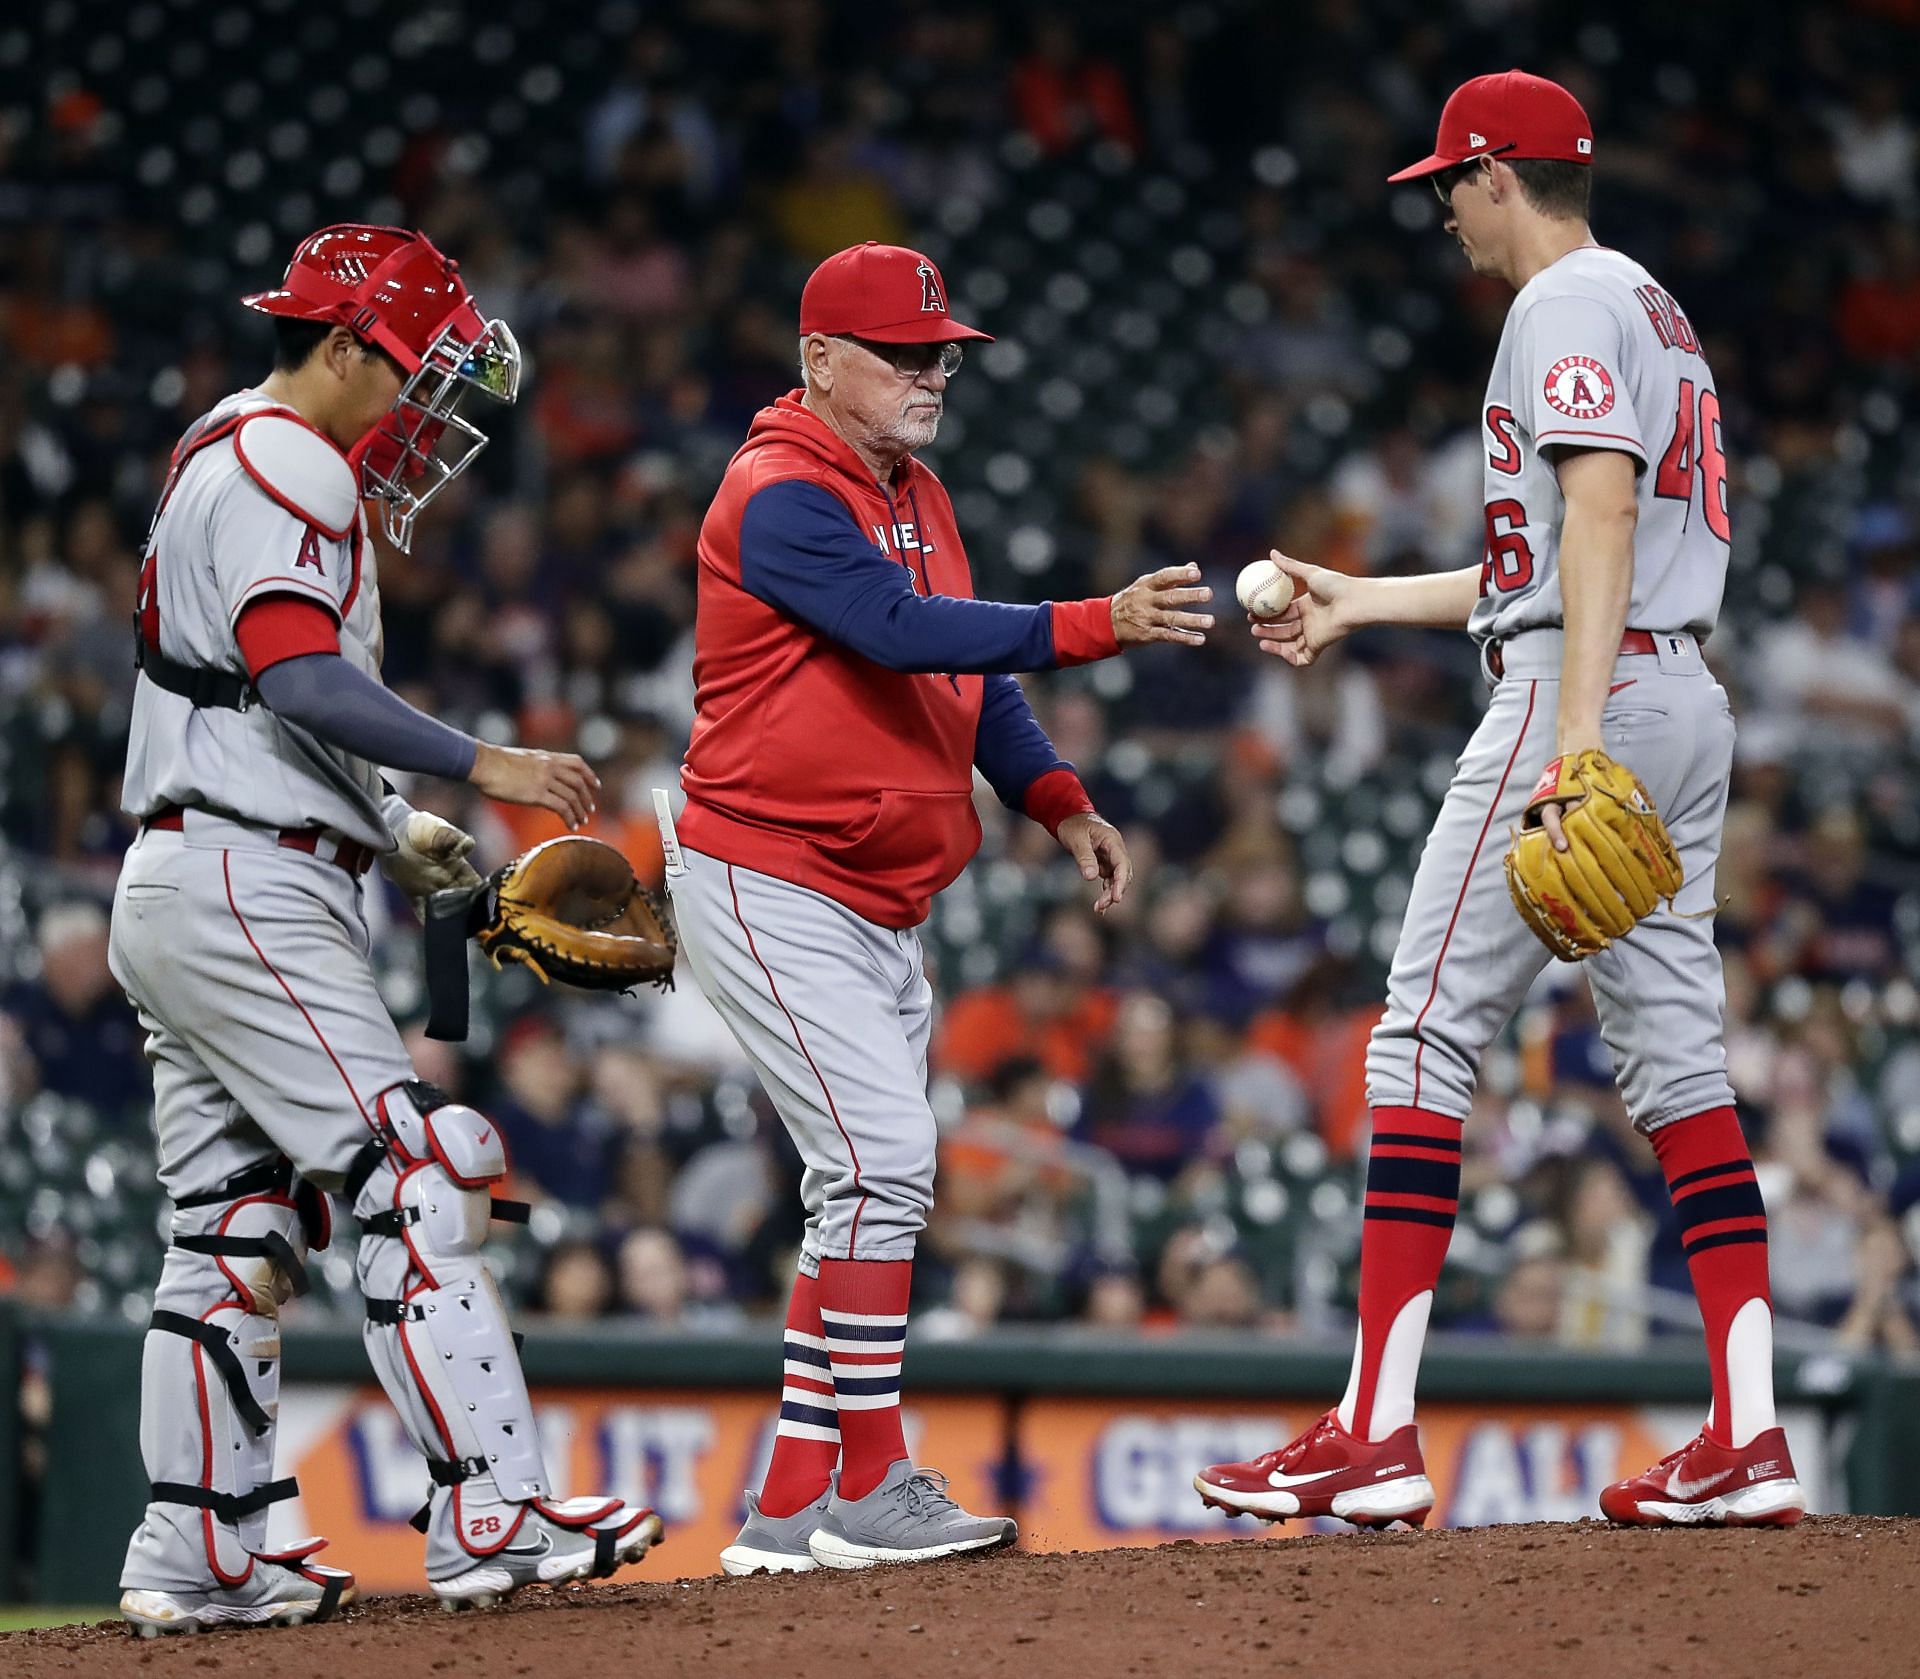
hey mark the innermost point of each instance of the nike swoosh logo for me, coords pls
(1619, 685)
(1282, 1482)
(1677, 1488)
(483, 1137)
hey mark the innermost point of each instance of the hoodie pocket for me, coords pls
(921, 840)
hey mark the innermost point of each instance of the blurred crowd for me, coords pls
(1218, 331)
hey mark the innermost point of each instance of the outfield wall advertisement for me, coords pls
(1081, 1473)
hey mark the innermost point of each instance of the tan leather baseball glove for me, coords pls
(1619, 864)
(572, 909)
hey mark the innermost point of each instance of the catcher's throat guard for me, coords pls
(571, 909)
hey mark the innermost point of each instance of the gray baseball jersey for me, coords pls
(271, 508)
(1596, 353)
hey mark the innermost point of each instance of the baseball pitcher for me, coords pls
(848, 686)
(1605, 752)
(238, 933)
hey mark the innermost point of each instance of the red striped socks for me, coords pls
(1413, 1193)
(1723, 1227)
(863, 1312)
(806, 1442)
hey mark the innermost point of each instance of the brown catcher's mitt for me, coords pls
(571, 909)
(1619, 862)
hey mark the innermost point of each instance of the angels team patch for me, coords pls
(1579, 387)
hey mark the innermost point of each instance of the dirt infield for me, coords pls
(1837, 1595)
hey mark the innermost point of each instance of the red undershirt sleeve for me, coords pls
(277, 627)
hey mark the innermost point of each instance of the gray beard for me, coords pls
(912, 432)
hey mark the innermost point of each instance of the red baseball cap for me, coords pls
(884, 292)
(1510, 115)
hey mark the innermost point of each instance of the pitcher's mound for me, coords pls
(1835, 1596)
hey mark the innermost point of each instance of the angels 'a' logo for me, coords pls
(931, 302)
(1580, 388)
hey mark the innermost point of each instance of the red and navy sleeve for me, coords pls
(802, 553)
(1012, 751)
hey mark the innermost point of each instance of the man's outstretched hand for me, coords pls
(1096, 846)
(1151, 608)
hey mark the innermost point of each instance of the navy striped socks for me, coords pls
(1723, 1228)
(806, 1442)
(1413, 1195)
(863, 1312)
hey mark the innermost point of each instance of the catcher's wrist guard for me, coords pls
(1620, 862)
(570, 909)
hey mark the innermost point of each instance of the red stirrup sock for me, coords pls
(806, 1443)
(1723, 1227)
(1413, 1193)
(863, 1307)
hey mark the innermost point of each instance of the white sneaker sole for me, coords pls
(153, 1614)
(1770, 1504)
(492, 1583)
(744, 1559)
(831, 1551)
(1405, 1500)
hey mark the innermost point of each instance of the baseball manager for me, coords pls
(848, 686)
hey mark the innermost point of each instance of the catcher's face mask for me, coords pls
(427, 440)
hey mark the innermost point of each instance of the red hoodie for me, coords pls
(809, 761)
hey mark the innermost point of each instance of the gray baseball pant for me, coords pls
(1465, 960)
(835, 1013)
(269, 1042)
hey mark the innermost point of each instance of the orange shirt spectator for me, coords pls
(1329, 1054)
(1043, 1016)
(1064, 97)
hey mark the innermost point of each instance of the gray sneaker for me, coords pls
(907, 1518)
(776, 1544)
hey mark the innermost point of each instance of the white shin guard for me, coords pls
(436, 1327)
(210, 1380)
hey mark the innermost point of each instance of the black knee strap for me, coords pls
(229, 1507)
(270, 1177)
(394, 1221)
(225, 1360)
(391, 1312)
(272, 1246)
(366, 1161)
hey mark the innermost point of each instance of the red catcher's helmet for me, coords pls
(391, 288)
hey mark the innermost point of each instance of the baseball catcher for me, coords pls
(259, 726)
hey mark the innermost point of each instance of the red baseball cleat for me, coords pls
(1327, 1472)
(1708, 1484)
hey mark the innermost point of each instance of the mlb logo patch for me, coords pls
(1580, 388)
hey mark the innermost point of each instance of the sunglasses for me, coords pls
(911, 361)
(1446, 180)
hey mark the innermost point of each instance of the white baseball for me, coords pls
(1264, 589)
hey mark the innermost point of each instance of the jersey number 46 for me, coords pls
(1697, 446)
